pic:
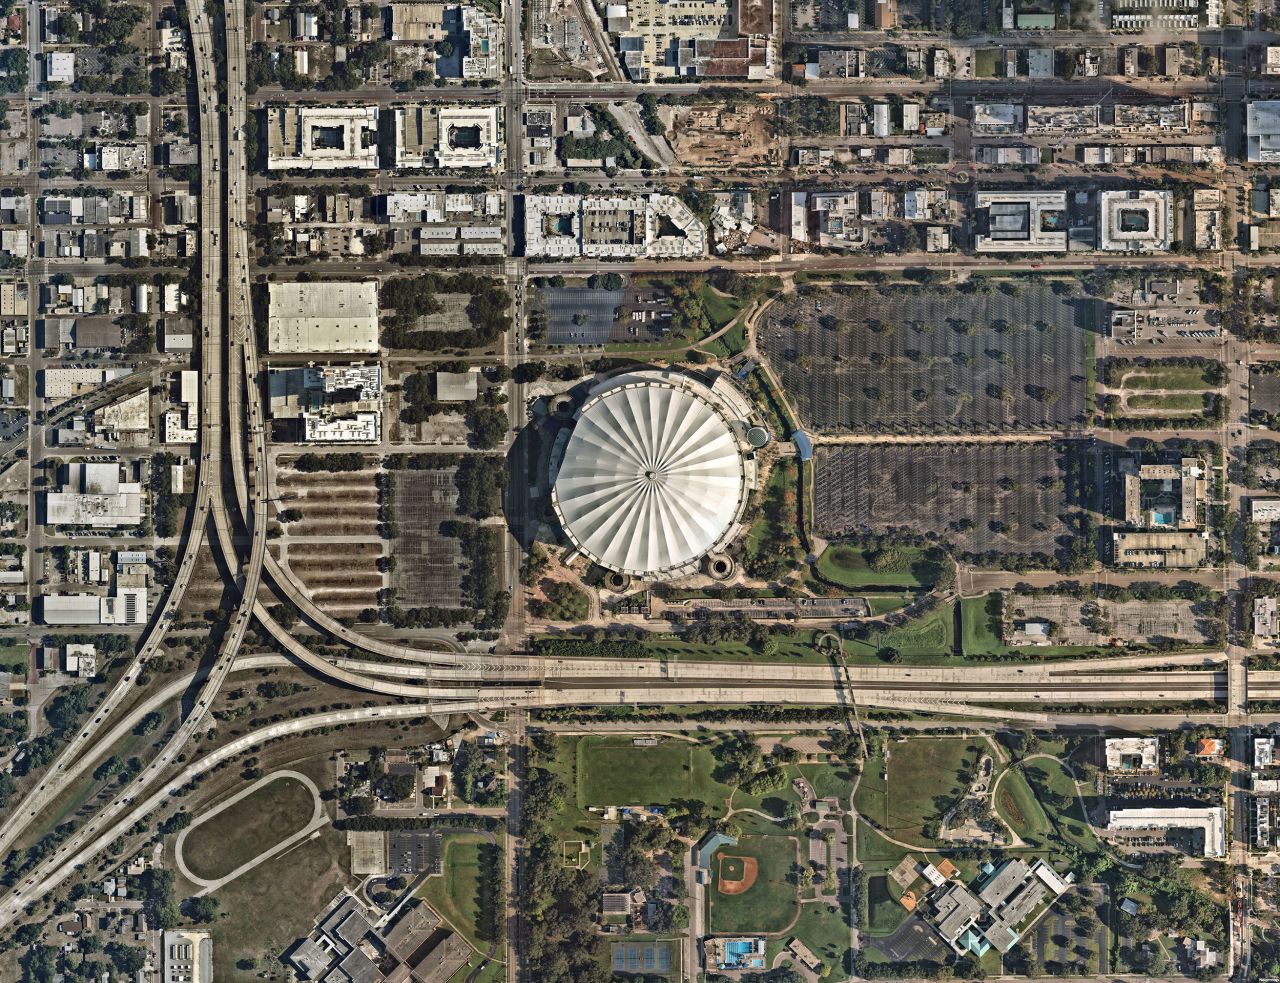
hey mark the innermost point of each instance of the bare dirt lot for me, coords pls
(713, 135)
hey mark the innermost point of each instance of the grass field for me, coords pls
(769, 905)
(1018, 806)
(457, 895)
(930, 636)
(884, 914)
(720, 308)
(256, 823)
(850, 566)
(884, 603)
(984, 62)
(1171, 402)
(824, 930)
(925, 776)
(614, 772)
(270, 907)
(1158, 376)
(1069, 824)
(730, 343)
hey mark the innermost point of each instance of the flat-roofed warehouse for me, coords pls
(325, 318)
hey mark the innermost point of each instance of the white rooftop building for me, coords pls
(1262, 130)
(613, 227)
(322, 138)
(1021, 221)
(1132, 753)
(326, 318)
(1135, 221)
(1210, 820)
(654, 475)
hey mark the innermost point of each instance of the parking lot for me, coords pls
(932, 360)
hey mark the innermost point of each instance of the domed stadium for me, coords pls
(655, 474)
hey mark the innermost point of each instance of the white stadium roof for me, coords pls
(652, 478)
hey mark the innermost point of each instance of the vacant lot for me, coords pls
(713, 135)
(256, 823)
(1011, 498)
(343, 578)
(925, 776)
(273, 905)
(768, 905)
(932, 359)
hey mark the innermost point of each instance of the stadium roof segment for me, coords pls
(653, 477)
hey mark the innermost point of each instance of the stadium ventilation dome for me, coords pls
(656, 472)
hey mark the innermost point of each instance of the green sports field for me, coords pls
(612, 771)
(769, 905)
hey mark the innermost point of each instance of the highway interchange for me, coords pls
(231, 510)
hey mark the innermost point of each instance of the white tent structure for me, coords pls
(653, 477)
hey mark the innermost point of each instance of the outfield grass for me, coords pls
(850, 566)
(925, 777)
(253, 825)
(1171, 402)
(457, 895)
(769, 905)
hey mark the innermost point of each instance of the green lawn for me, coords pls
(884, 913)
(1017, 805)
(852, 567)
(828, 781)
(770, 903)
(884, 603)
(1172, 402)
(1069, 823)
(253, 825)
(720, 308)
(931, 636)
(1166, 377)
(925, 776)
(458, 895)
(493, 972)
(614, 772)
(985, 61)
(824, 930)
(730, 343)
